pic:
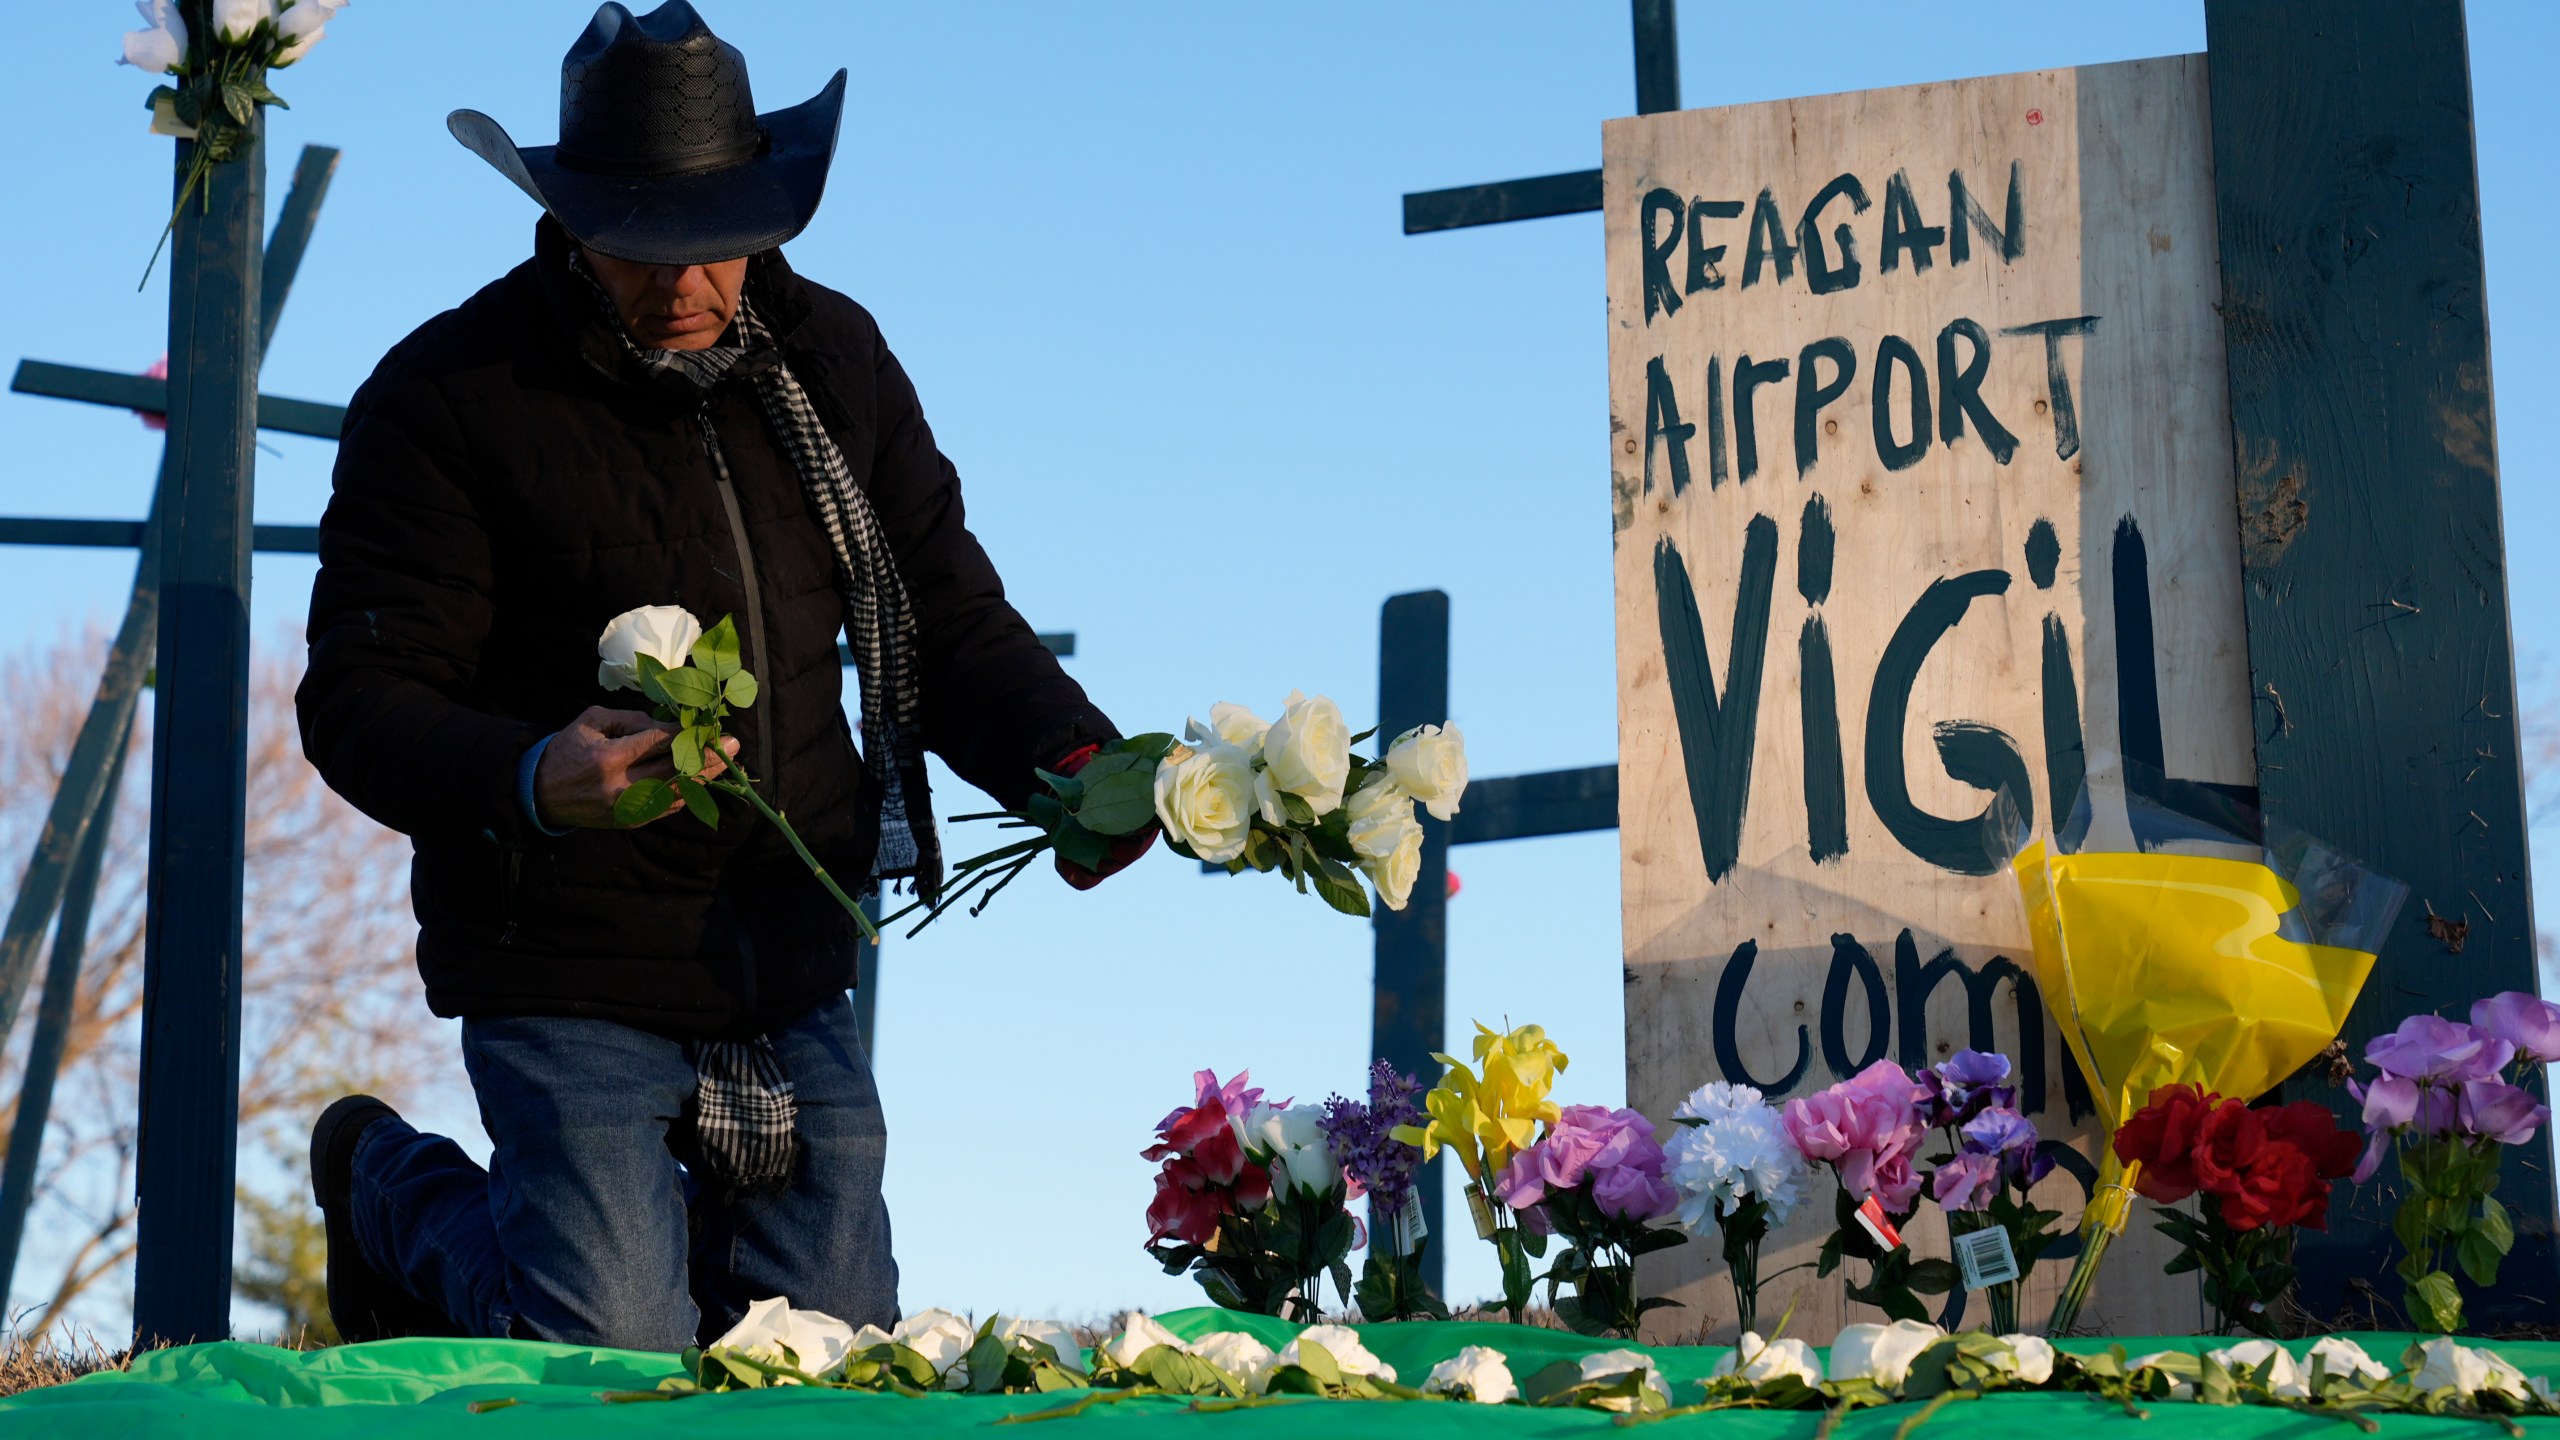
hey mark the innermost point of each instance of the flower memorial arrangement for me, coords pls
(1982, 1183)
(2256, 1173)
(1250, 1200)
(2443, 1104)
(1905, 1363)
(1596, 1178)
(1286, 795)
(1486, 1116)
(1869, 1129)
(695, 679)
(1383, 1167)
(220, 63)
(1738, 1176)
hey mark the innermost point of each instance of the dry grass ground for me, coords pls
(30, 1363)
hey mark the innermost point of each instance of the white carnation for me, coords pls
(1742, 1156)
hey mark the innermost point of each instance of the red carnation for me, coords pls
(2227, 1146)
(2281, 1187)
(2308, 1125)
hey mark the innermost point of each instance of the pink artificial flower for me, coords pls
(2528, 1022)
(2501, 1112)
(2430, 1047)
(1627, 1192)
(1966, 1181)
(1233, 1097)
(1584, 1141)
(1866, 1128)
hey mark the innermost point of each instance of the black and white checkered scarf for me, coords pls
(746, 1119)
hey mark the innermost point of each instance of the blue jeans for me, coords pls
(588, 1230)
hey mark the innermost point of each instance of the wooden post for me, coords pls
(1409, 1012)
(1657, 31)
(191, 967)
(2380, 664)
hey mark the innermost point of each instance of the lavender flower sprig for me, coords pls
(1362, 1138)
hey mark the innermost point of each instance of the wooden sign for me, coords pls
(1923, 495)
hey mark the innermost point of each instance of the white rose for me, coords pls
(1204, 796)
(1238, 726)
(2179, 1387)
(1139, 1334)
(1240, 1355)
(664, 633)
(1610, 1364)
(943, 1339)
(1308, 751)
(2339, 1356)
(1293, 1143)
(234, 21)
(818, 1342)
(1266, 799)
(1430, 762)
(1379, 814)
(1394, 875)
(1761, 1361)
(2284, 1377)
(1059, 1338)
(2030, 1358)
(1476, 1373)
(161, 43)
(2446, 1362)
(1343, 1344)
(1882, 1353)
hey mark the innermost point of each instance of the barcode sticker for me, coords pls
(1398, 1233)
(1985, 1258)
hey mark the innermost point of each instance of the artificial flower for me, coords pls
(2526, 1021)
(1964, 1085)
(2496, 1110)
(162, 42)
(2430, 1047)
(236, 21)
(301, 26)
(1291, 1142)
(1741, 1155)
(1477, 1373)
(1614, 1149)
(1867, 1129)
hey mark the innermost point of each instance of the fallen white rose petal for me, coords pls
(1477, 1373)
(1882, 1353)
(1240, 1355)
(1610, 1364)
(1761, 1361)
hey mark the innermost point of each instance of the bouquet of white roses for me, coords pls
(1286, 795)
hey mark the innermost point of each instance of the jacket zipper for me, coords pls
(755, 590)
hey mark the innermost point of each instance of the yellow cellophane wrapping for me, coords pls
(2165, 969)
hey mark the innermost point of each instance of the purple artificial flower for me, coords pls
(1964, 1085)
(2393, 1105)
(2010, 1138)
(1966, 1181)
(1584, 1142)
(1379, 1164)
(2390, 1103)
(2528, 1022)
(2430, 1047)
(2496, 1110)
(1627, 1192)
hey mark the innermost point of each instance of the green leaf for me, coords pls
(2434, 1303)
(1933, 1277)
(685, 749)
(739, 690)
(650, 672)
(1298, 811)
(1335, 887)
(1080, 846)
(1150, 747)
(642, 802)
(1120, 803)
(717, 651)
(1551, 1381)
(237, 100)
(698, 800)
(1111, 763)
(2496, 1227)
(689, 689)
(259, 92)
(1066, 787)
(2479, 1257)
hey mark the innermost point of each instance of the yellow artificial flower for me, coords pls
(1489, 1117)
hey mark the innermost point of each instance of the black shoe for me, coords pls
(365, 1303)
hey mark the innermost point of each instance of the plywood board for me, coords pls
(1807, 881)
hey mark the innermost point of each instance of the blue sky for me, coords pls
(1144, 263)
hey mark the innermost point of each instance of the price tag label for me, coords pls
(1871, 1216)
(1984, 1257)
(1398, 1233)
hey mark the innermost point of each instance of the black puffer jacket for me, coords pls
(509, 481)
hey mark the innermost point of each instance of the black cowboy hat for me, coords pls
(662, 157)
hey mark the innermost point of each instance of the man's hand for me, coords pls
(595, 758)
(1124, 849)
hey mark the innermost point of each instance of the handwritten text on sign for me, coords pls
(1923, 496)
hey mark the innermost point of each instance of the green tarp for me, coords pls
(401, 1388)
